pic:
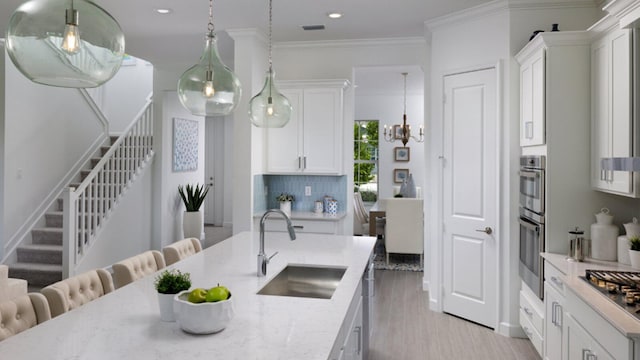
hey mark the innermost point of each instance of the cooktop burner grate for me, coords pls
(627, 278)
(621, 287)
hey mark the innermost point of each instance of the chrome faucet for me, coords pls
(263, 260)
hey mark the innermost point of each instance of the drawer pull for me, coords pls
(298, 227)
(558, 282)
(527, 331)
(527, 311)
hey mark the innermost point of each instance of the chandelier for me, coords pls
(403, 132)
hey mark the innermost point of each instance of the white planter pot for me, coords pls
(285, 206)
(634, 256)
(192, 224)
(166, 303)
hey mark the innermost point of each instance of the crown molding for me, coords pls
(627, 12)
(475, 12)
(401, 41)
(535, 5)
(556, 38)
(248, 33)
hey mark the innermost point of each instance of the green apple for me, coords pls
(198, 295)
(217, 293)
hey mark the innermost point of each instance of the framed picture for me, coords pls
(401, 153)
(400, 175)
(397, 131)
(185, 145)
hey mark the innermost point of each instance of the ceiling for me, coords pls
(178, 37)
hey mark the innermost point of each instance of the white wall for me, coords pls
(167, 205)
(47, 130)
(388, 109)
(337, 60)
(124, 95)
(479, 37)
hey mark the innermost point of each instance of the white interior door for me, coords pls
(470, 196)
(214, 170)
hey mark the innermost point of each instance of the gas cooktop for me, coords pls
(621, 287)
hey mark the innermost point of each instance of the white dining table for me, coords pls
(125, 324)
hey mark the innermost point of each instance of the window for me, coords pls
(365, 159)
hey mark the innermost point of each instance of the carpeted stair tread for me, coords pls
(44, 247)
(47, 235)
(40, 253)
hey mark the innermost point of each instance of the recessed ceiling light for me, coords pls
(334, 15)
(163, 11)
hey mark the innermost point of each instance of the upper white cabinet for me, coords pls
(532, 94)
(312, 142)
(612, 120)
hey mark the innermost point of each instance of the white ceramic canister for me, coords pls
(632, 229)
(604, 235)
(623, 250)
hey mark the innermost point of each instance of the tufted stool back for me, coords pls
(181, 249)
(78, 290)
(22, 313)
(136, 267)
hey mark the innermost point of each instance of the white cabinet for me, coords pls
(332, 227)
(532, 98)
(581, 345)
(312, 142)
(612, 111)
(553, 322)
(532, 318)
(350, 342)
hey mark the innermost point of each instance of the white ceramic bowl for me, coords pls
(203, 318)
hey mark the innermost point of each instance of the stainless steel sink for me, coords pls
(307, 281)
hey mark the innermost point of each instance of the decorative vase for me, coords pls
(411, 187)
(166, 302)
(604, 235)
(285, 206)
(634, 256)
(192, 224)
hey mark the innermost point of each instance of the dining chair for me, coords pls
(22, 313)
(78, 290)
(180, 250)
(136, 267)
(361, 218)
(404, 228)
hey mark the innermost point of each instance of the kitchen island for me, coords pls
(126, 323)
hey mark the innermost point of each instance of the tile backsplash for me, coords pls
(334, 186)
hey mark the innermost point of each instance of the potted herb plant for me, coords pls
(192, 220)
(285, 202)
(634, 251)
(168, 284)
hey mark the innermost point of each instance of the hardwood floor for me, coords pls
(405, 328)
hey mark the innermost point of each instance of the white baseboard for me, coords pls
(511, 330)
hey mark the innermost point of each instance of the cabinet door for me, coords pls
(353, 344)
(532, 100)
(284, 145)
(580, 345)
(553, 318)
(323, 130)
(612, 119)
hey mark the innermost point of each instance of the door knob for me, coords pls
(486, 230)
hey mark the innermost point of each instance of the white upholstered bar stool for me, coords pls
(136, 267)
(10, 288)
(78, 290)
(22, 313)
(180, 250)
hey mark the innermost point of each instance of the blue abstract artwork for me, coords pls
(185, 145)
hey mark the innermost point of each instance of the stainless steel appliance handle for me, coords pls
(529, 174)
(529, 225)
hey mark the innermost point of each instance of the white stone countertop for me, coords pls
(619, 318)
(308, 215)
(126, 324)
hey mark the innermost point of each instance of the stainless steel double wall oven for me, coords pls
(532, 221)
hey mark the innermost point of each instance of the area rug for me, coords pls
(398, 262)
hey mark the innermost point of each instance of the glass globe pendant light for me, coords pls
(65, 43)
(269, 108)
(209, 88)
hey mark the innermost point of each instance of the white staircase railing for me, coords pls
(86, 207)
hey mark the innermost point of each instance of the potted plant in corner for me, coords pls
(634, 251)
(285, 202)
(168, 284)
(192, 220)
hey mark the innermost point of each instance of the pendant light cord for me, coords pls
(210, 26)
(270, 31)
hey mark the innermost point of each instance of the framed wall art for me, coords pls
(400, 175)
(401, 153)
(185, 145)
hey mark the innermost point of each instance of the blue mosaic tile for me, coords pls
(321, 186)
